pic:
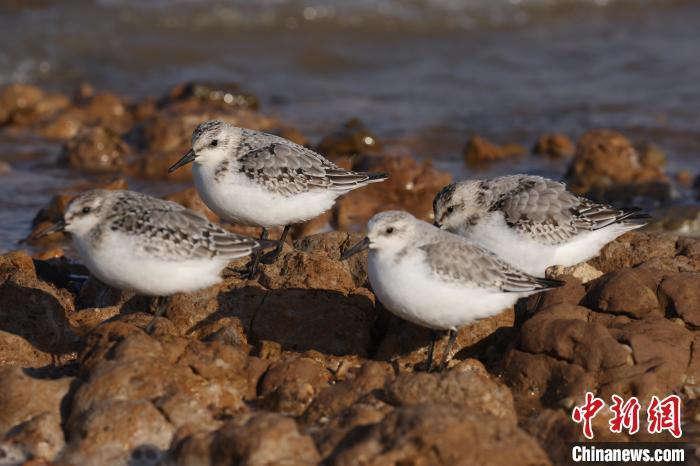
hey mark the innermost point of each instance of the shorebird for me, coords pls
(530, 221)
(263, 180)
(437, 279)
(150, 246)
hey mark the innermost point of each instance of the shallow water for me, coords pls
(426, 72)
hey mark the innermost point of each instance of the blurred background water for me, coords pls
(426, 71)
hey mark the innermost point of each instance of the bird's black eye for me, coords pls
(450, 209)
(389, 230)
(86, 210)
(214, 143)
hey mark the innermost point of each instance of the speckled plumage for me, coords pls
(140, 243)
(260, 179)
(512, 213)
(164, 229)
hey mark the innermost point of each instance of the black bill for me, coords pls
(55, 228)
(187, 158)
(359, 247)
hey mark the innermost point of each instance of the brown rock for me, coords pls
(113, 429)
(441, 435)
(606, 159)
(326, 321)
(23, 105)
(632, 249)
(406, 344)
(261, 439)
(554, 145)
(17, 350)
(352, 138)
(630, 292)
(679, 295)
(476, 392)
(333, 399)
(684, 178)
(34, 309)
(23, 397)
(479, 151)
(411, 186)
(290, 386)
(566, 350)
(40, 436)
(97, 150)
(102, 109)
(222, 95)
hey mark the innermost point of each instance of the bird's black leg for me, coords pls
(158, 308)
(452, 336)
(253, 267)
(272, 256)
(431, 349)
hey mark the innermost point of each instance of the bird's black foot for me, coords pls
(272, 256)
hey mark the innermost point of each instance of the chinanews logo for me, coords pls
(661, 415)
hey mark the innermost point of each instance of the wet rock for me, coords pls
(23, 397)
(352, 138)
(680, 220)
(97, 150)
(261, 439)
(290, 386)
(411, 186)
(103, 109)
(224, 95)
(554, 145)
(684, 178)
(40, 436)
(23, 104)
(479, 151)
(607, 161)
(438, 434)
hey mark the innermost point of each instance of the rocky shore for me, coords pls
(303, 366)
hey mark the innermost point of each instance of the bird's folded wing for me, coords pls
(467, 264)
(292, 169)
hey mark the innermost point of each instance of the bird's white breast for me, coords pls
(409, 289)
(236, 198)
(115, 261)
(533, 257)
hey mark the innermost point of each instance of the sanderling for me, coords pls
(153, 247)
(263, 180)
(530, 221)
(437, 279)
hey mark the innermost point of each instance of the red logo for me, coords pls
(625, 415)
(587, 412)
(662, 415)
(665, 415)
